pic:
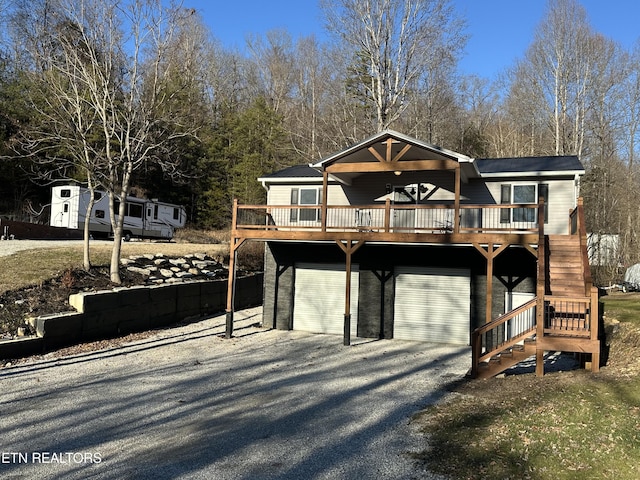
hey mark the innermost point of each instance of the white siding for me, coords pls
(281, 194)
(562, 199)
(432, 305)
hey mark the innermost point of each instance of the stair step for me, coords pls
(501, 362)
(564, 239)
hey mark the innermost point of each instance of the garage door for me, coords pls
(432, 305)
(319, 298)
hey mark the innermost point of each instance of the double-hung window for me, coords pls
(305, 196)
(519, 194)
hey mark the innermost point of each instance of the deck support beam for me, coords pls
(325, 200)
(231, 286)
(236, 242)
(349, 247)
(456, 201)
(490, 254)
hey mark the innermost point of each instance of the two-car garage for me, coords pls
(429, 304)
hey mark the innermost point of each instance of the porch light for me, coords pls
(397, 172)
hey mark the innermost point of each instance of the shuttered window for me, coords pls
(505, 197)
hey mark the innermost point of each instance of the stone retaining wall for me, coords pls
(125, 310)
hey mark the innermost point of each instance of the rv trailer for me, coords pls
(143, 218)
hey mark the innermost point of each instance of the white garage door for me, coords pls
(319, 298)
(432, 305)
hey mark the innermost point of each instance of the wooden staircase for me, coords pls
(507, 359)
(567, 319)
(565, 270)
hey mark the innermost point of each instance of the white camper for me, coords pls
(143, 218)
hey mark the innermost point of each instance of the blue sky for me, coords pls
(500, 30)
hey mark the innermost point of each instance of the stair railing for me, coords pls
(577, 227)
(490, 338)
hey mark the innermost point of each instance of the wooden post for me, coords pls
(349, 249)
(231, 291)
(539, 362)
(489, 305)
(456, 215)
(387, 215)
(347, 299)
(540, 289)
(594, 326)
(490, 253)
(231, 284)
(325, 200)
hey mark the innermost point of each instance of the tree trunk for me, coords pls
(86, 263)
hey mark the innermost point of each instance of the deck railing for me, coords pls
(568, 316)
(504, 218)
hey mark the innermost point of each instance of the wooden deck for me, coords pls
(564, 312)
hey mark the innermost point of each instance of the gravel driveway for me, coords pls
(9, 247)
(186, 403)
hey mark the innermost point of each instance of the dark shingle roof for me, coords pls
(486, 166)
(529, 164)
(297, 171)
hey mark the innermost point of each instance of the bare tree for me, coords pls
(274, 60)
(394, 41)
(62, 135)
(115, 74)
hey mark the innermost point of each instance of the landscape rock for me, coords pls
(160, 269)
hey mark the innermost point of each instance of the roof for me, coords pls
(360, 151)
(365, 151)
(297, 171)
(506, 166)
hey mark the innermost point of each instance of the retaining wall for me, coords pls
(126, 310)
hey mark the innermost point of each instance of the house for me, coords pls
(437, 247)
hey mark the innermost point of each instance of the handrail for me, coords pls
(582, 233)
(541, 284)
(505, 317)
(476, 336)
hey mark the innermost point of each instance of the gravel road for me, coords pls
(188, 404)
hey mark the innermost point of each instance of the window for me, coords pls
(176, 213)
(527, 193)
(99, 213)
(305, 196)
(130, 209)
(524, 194)
(65, 193)
(97, 195)
(135, 210)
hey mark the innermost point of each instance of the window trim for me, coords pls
(507, 193)
(299, 215)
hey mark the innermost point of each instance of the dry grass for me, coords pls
(565, 425)
(31, 267)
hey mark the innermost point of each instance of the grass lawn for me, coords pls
(565, 425)
(29, 267)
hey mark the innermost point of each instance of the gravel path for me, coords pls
(9, 247)
(186, 403)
